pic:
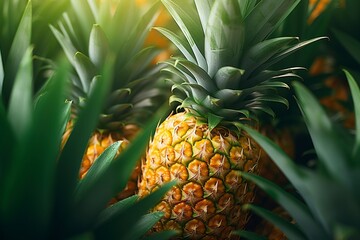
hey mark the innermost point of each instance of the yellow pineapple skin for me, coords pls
(97, 144)
(206, 202)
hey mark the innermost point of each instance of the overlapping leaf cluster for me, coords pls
(330, 207)
(226, 75)
(41, 196)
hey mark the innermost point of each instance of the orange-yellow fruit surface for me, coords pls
(206, 203)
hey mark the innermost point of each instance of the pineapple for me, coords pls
(223, 80)
(41, 194)
(92, 31)
(333, 182)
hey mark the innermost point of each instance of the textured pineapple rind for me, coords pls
(208, 198)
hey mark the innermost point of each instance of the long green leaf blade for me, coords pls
(8, 143)
(224, 36)
(20, 104)
(1, 74)
(265, 17)
(292, 205)
(190, 29)
(144, 224)
(124, 222)
(114, 177)
(18, 48)
(29, 193)
(355, 92)
(110, 212)
(333, 154)
(100, 165)
(290, 230)
(71, 156)
(98, 46)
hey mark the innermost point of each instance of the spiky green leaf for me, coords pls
(85, 209)
(144, 224)
(98, 168)
(355, 92)
(20, 104)
(228, 77)
(333, 154)
(19, 46)
(204, 8)
(85, 69)
(190, 28)
(182, 45)
(71, 156)
(110, 212)
(98, 46)
(224, 36)
(118, 227)
(265, 18)
(1, 74)
(263, 51)
(34, 199)
(291, 204)
(290, 230)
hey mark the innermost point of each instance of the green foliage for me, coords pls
(226, 75)
(90, 31)
(330, 191)
(41, 194)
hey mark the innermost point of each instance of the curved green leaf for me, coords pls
(124, 222)
(34, 161)
(85, 69)
(224, 35)
(190, 29)
(110, 212)
(19, 46)
(292, 205)
(100, 165)
(98, 46)
(265, 18)
(289, 229)
(263, 51)
(332, 153)
(183, 46)
(144, 224)
(355, 92)
(228, 77)
(20, 104)
(201, 77)
(1, 74)
(203, 8)
(70, 159)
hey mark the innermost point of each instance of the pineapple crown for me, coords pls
(224, 75)
(92, 31)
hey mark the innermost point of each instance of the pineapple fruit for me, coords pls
(223, 80)
(93, 30)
